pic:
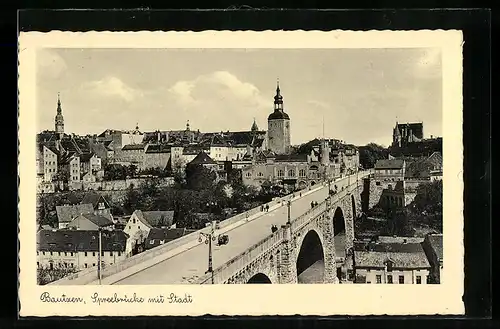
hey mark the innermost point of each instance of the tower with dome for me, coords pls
(278, 126)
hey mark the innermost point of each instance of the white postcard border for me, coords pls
(445, 298)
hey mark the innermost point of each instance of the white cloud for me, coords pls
(213, 98)
(113, 87)
(428, 64)
(49, 63)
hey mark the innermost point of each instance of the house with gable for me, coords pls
(140, 223)
(66, 213)
(160, 236)
(99, 203)
(392, 262)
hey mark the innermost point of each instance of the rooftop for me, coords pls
(158, 236)
(389, 164)
(436, 243)
(402, 255)
(80, 240)
(156, 218)
(67, 213)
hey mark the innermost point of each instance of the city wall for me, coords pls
(117, 185)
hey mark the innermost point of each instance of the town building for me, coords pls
(47, 167)
(433, 247)
(117, 139)
(140, 223)
(79, 249)
(406, 133)
(90, 222)
(66, 213)
(390, 263)
(99, 203)
(390, 170)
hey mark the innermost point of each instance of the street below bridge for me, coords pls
(189, 265)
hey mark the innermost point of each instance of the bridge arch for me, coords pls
(311, 255)
(259, 278)
(338, 222)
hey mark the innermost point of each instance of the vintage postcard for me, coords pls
(174, 168)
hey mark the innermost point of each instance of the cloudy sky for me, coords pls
(360, 93)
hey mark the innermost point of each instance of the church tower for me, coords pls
(278, 126)
(254, 128)
(59, 120)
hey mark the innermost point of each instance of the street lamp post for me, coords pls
(289, 205)
(209, 238)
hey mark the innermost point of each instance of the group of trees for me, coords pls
(424, 212)
(47, 275)
(370, 153)
(197, 191)
(115, 171)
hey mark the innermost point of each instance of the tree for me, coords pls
(48, 275)
(370, 153)
(199, 177)
(114, 172)
(131, 170)
(427, 207)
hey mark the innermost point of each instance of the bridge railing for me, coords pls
(240, 261)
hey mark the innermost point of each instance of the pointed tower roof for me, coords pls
(279, 113)
(254, 126)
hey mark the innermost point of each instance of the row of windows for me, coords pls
(50, 162)
(390, 171)
(50, 155)
(72, 253)
(51, 170)
(401, 278)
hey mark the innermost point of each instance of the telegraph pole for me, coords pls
(99, 264)
(289, 204)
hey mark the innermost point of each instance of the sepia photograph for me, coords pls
(160, 166)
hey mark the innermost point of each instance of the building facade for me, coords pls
(390, 170)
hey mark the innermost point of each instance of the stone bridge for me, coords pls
(254, 254)
(284, 255)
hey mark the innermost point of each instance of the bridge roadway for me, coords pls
(190, 264)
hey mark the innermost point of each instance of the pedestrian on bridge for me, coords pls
(267, 208)
(312, 204)
(262, 208)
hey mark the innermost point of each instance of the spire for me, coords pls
(278, 86)
(187, 125)
(137, 126)
(59, 110)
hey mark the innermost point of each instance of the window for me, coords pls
(111, 253)
(389, 279)
(377, 183)
(51, 253)
(86, 265)
(379, 278)
(281, 173)
(43, 253)
(59, 253)
(119, 253)
(37, 264)
(102, 253)
(152, 241)
(302, 173)
(419, 279)
(85, 254)
(93, 254)
(93, 264)
(71, 254)
(260, 174)
(291, 173)
(401, 279)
